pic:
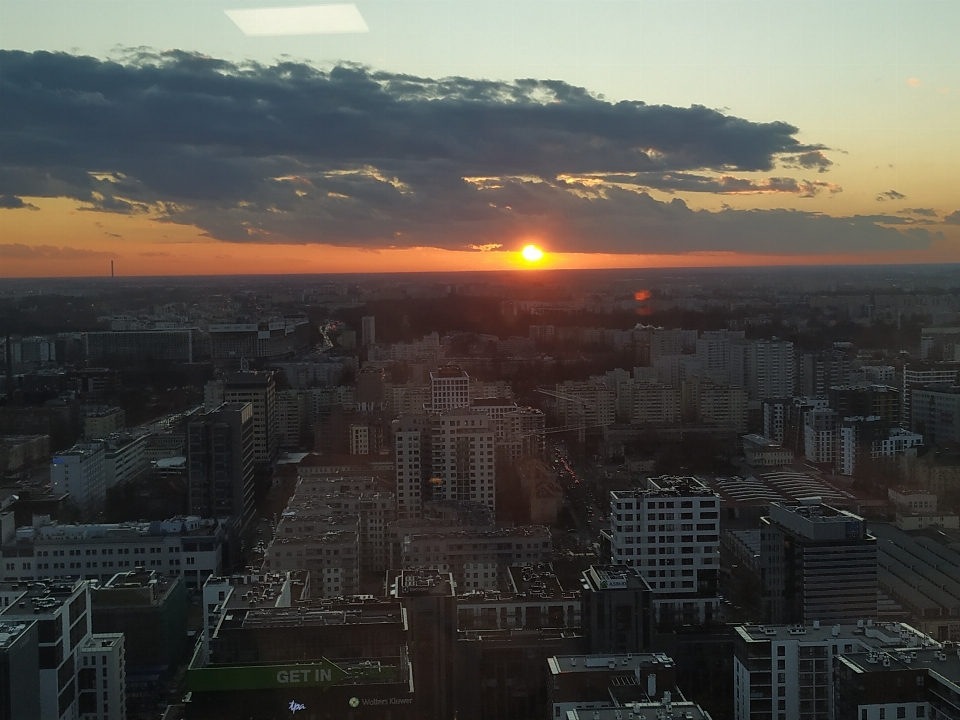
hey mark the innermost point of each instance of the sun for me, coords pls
(531, 253)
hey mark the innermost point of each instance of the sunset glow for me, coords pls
(532, 254)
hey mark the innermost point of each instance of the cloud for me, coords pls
(12, 202)
(19, 251)
(890, 195)
(357, 157)
(953, 218)
(155, 254)
(914, 82)
(812, 160)
(922, 212)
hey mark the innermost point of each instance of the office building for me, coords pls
(79, 472)
(171, 345)
(818, 563)
(670, 535)
(909, 682)
(70, 687)
(820, 435)
(368, 332)
(882, 401)
(275, 338)
(258, 389)
(187, 547)
(935, 414)
(19, 670)
(615, 609)
(588, 685)
(220, 461)
(100, 421)
(430, 602)
(345, 658)
(449, 389)
(147, 607)
(124, 458)
(786, 672)
(922, 375)
(412, 452)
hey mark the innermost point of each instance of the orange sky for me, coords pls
(61, 240)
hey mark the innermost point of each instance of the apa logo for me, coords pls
(296, 707)
(354, 702)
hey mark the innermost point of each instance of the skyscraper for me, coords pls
(220, 455)
(259, 389)
(368, 330)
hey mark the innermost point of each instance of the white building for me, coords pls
(786, 672)
(359, 439)
(449, 388)
(68, 646)
(411, 445)
(79, 472)
(656, 404)
(125, 459)
(189, 546)
(670, 534)
(462, 459)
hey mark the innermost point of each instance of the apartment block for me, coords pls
(670, 535)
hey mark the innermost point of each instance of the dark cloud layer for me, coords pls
(953, 218)
(374, 159)
(12, 202)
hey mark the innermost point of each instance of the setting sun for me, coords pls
(531, 253)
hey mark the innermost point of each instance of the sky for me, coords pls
(451, 133)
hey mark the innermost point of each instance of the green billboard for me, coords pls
(320, 674)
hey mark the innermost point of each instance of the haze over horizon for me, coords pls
(647, 134)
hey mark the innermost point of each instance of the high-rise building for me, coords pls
(820, 371)
(220, 459)
(411, 441)
(19, 670)
(79, 472)
(935, 414)
(921, 375)
(766, 368)
(818, 563)
(820, 435)
(882, 401)
(431, 604)
(368, 330)
(259, 389)
(670, 535)
(462, 462)
(790, 672)
(81, 673)
(447, 456)
(615, 609)
(449, 388)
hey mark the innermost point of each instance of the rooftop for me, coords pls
(879, 635)
(592, 663)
